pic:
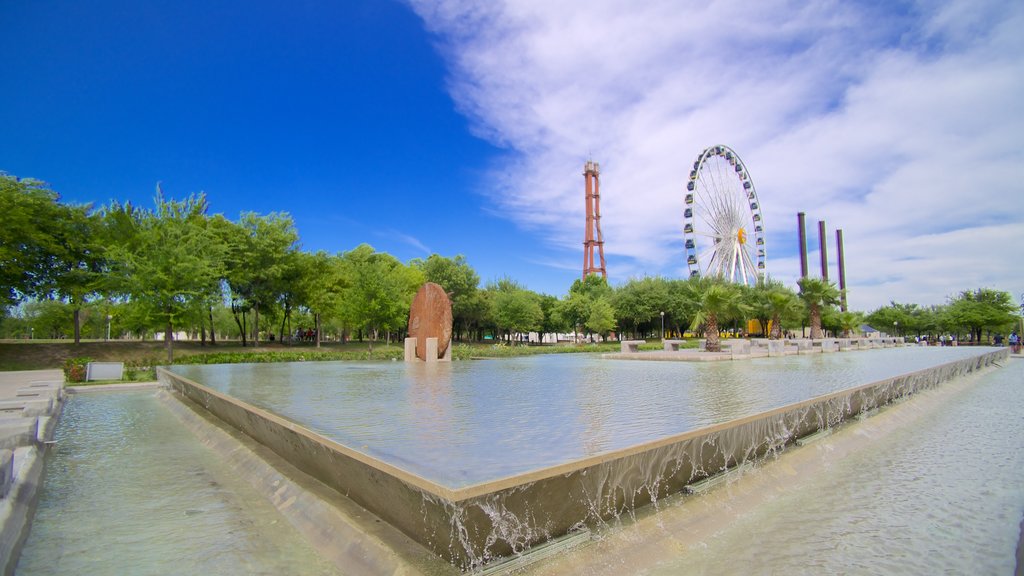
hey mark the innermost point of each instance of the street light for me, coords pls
(109, 317)
(895, 328)
(32, 333)
(662, 325)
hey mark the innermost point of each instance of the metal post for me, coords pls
(109, 317)
(824, 250)
(842, 270)
(662, 325)
(802, 229)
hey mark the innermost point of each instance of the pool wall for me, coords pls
(472, 525)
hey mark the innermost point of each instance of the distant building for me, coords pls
(868, 331)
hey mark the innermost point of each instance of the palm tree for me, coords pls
(817, 293)
(774, 304)
(713, 300)
(848, 321)
(784, 305)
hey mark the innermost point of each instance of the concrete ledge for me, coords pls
(111, 387)
(341, 531)
(18, 431)
(6, 471)
(18, 507)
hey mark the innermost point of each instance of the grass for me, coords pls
(139, 356)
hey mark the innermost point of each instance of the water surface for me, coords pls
(128, 490)
(463, 423)
(944, 496)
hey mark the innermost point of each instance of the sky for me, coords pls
(461, 127)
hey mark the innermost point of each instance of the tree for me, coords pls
(320, 284)
(816, 294)
(602, 317)
(574, 311)
(515, 309)
(74, 268)
(26, 244)
(715, 301)
(378, 291)
(172, 263)
(981, 309)
(639, 301)
(849, 321)
(260, 251)
(774, 305)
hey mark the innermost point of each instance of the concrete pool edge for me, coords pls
(341, 531)
(472, 525)
(24, 453)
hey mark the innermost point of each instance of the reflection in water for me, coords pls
(128, 490)
(476, 421)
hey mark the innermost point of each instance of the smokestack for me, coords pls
(824, 252)
(842, 270)
(801, 226)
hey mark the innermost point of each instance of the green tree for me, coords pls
(982, 309)
(26, 243)
(574, 311)
(817, 294)
(602, 317)
(321, 282)
(75, 267)
(172, 263)
(849, 321)
(260, 257)
(715, 301)
(515, 309)
(639, 303)
(774, 305)
(378, 292)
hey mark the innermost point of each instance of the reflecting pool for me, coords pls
(464, 423)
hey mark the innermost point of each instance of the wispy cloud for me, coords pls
(406, 239)
(901, 124)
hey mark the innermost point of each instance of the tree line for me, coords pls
(129, 270)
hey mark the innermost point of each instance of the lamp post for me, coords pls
(109, 317)
(32, 333)
(895, 328)
(662, 325)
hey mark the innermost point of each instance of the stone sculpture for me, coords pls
(430, 316)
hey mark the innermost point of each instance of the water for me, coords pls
(939, 493)
(464, 423)
(128, 490)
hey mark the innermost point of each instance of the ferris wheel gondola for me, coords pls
(723, 226)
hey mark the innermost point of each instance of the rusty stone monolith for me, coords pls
(430, 316)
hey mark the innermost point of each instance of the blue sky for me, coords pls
(461, 127)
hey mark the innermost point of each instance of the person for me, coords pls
(998, 339)
(1014, 342)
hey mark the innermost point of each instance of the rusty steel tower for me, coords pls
(592, 238)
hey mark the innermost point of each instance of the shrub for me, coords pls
(75, 369)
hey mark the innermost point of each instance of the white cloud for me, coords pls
(904, 127)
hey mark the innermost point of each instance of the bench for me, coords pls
(631, 346)
(672, 345)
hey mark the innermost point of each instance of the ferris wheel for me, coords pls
(723, 226)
